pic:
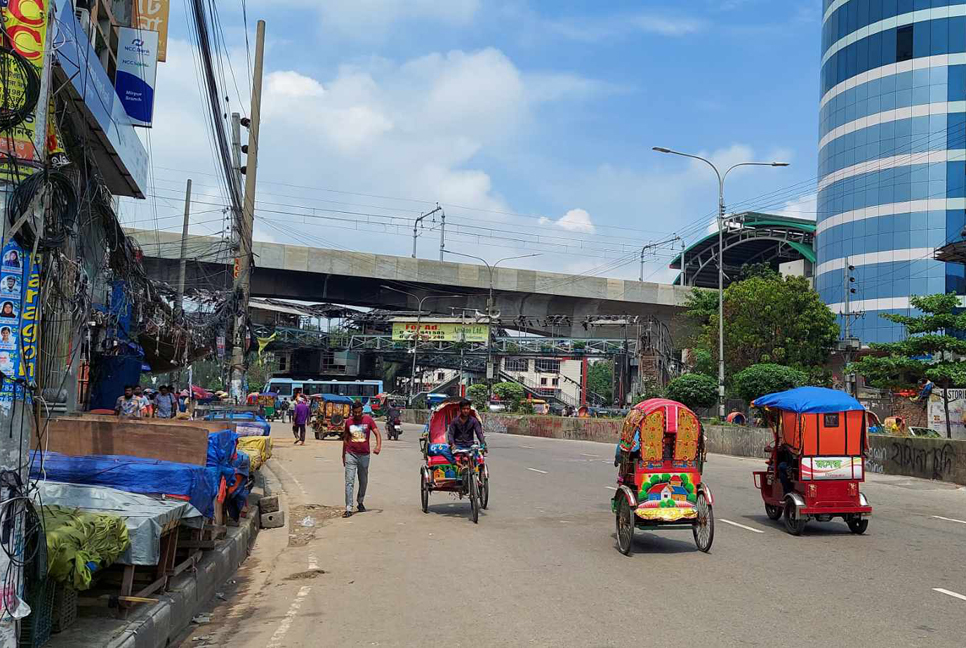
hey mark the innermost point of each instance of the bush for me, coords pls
(766, 378)
(479, 395)
(694, 390)
(510, 394)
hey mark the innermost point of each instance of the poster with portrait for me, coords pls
(11, 286)
(14, 357)
(8, 338)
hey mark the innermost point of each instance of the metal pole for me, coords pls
(641, 278)
(243, 280)
(684, 265)
(848, 318)
(721, 362)
(179, 307)
(414, 236)
(442, 232)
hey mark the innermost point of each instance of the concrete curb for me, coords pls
(157, 625)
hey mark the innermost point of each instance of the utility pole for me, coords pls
(243, 268)
(418, 222)
(848, 344)
(236, 153)
(179, 306)
(442, 232)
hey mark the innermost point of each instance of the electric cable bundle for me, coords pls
(61, 208)
(14, 110)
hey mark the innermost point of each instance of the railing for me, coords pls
(541, 391)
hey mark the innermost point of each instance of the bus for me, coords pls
(361, 390)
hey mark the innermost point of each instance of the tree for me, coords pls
(600, 380)
(934, 347)
(509, 393)
(694, 390)
(768, 319)
(479, 394)
(766, 378)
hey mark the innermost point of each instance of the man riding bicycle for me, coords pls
(461, 431)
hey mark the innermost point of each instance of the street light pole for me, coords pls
(489, 302)
(419, 320)
(721, 226)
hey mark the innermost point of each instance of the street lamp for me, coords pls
(419, 315)
(489, 300)
(721, 224)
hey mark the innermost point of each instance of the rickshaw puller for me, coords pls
(462, 429)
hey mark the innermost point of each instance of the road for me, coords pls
(541, 567)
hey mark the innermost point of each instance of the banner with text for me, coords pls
(152, 15)
(437, 332)
(137, 71)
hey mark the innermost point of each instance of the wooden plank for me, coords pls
(211, 426)
(82, 437)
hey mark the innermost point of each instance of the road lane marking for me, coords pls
(584, 454)
(542, 472)
(741, 526)
(528, 447)
(313, 563)
(296, 480)
(610, 487)
(948, 593)
(286, 624)
(939, 517)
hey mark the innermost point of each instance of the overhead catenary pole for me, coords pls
(442, 232)
(243, 275)
(179, 306)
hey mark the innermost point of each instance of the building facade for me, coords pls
(892, 155)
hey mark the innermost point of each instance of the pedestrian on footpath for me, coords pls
(355, 455)
(300, 418)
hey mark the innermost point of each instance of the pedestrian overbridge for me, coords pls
(361, 279)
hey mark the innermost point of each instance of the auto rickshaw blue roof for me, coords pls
(811, 400)
(336, 398)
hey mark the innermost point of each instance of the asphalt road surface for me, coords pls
(541, 567)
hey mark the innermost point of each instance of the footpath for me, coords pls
(938, 459)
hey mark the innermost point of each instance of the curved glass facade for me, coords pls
(892, 154)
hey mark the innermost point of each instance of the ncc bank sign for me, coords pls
(137, 68)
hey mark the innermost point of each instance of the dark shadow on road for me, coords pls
(651, 543)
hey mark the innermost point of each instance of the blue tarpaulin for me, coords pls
(135, 475)
(810, 400)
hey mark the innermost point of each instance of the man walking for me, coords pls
(355, 454)
(128, 405)
(165, 404)
(299, 420)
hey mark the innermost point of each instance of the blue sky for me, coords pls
(531, 122)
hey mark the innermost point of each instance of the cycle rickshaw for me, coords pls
(660, 457)
(463, 472)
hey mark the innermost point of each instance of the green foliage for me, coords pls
(478, 394)
(694, 390)
(766, 378)
(693, 498)
(934, 351)
(768, 319)
(704, 363)
(510, 393)
(600, 380)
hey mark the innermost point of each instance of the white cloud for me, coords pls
(575, 220)
(589, 30)
(805, 206)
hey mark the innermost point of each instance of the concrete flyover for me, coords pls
(357, 278)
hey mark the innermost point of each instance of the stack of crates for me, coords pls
(38, 592)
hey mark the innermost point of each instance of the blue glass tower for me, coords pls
(892, 154)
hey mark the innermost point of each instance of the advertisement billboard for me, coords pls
(440, 332)
(152, 15)
(137, 71)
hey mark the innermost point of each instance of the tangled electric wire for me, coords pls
(15, 107)
(62, 207)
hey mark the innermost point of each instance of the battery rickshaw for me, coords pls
(817, 460)
(463, 472)
(660, 458)
(329, 413)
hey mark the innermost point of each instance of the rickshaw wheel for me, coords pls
(625, 527)
(794, 523)
(424, 492)
(484, 491)
(474, 499)
(773, 512)
(703, 528)
(857, 525)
